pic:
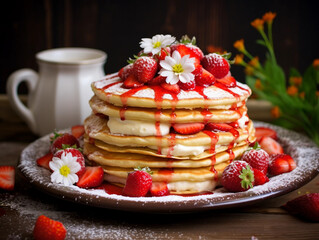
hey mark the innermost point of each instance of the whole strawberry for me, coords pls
(260, 177)
(306, 206)
(46, 228)
(216, 65)
(138, 183)
(75, 153)
(238, 177)
(257, 158)
(60, 141)
(145, 68)
(281, 163)
(126, 71)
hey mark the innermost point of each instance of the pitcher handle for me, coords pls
(14, 80)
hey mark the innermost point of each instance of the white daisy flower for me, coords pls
(177, 68)
(155, 44)
(64, 169)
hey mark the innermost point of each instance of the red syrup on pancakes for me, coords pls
(213, 141)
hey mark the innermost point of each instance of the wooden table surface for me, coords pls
(20, 208)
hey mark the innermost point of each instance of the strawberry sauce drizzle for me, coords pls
(214, 139)
(172, 143)
(110, 85)
(244, 89)
(223, 87)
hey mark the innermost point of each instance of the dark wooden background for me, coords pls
(116, 27)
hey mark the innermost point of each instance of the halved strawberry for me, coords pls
(205, 79)
(188, 128)
(159, 189)
(265, 132)
(92, 177)
(7, 180)
(281, 163)
(187, 86)
(46, 228)
(126, 71)
(189, 49)
(44, 160)
(162, 54)
(260, 177)
(216, 65)
(228, 81)
(132, 82)
(218, 126)
(77, 131)
(174, 88)
(270, 145)
(145, 68)
(111, 189)
(158, 80)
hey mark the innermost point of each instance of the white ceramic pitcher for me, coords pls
(59, 94)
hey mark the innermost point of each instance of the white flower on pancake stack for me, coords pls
(177, 68)
(155, 44)
(64, 169)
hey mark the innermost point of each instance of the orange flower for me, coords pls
(258, 24)
(275, 112)
(292, 90)
(302, 95)
(295, 80)
(315, 64)
(214, 49)
(249, 70)
(239, 45)
(254, 62)
(269, 17)
(258, 84)
(239, 58)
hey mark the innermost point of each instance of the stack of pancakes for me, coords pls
(131, 128)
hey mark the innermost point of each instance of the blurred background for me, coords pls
(117, 26)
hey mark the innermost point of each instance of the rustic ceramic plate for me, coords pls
(300, 147)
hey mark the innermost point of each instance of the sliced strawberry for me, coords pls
(132, 82)
(306, 206)
(260, 177)
(265, 132)
(126, 71)
(44, 160)
(138, 183)
(159, 189)
(162, 54)
(198, 70)
(158, 80)
(188, 128)
(281, 163)
(216, 65)
(92, 177)
(228, 81)
(189, 49)
(218, 126)
(270, 145)
(7, 180)
(174, 88)
(63, 141)
(75, 153)
(187, 86)
(205, 79)
(77, 131)
(46, 228)
(111, 189)
(145, 68)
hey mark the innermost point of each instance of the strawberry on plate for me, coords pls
(281, 163)
(162, 54)
(228, 81)
(46, 228)
(7, 180)
(270, 145)
(60, 141)
(265, 132)
(189, 49)
(188, 128)
(92, 177)
(306, 206)
(187, 86)
(126, 71)
(132, 82)
(257, 158)
(238, 176)
(216, 65)
(77, 131)
(75, 153)
(260, 177)
(138, 183)
(205, 79)
(158, 80)
(111, 188)
(44, 160)
(145, 68)
(174, 88)
(159, 189)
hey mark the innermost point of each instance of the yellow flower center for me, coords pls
(157, 44)
(178, 68)
(65, 170)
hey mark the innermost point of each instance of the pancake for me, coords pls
(180, 115)
(130, 160)
(111, 90)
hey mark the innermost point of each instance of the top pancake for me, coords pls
(110, 89)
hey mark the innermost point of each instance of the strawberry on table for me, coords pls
(306, 206)
(257, 158)
(281, 163)
(145, 68)
(44, 160)
(63, 140)
(270, 145)
(238, 176)
(138, 183)
(260, 177)
(75, 153)
(7, 174)
(216, 65)
(77, 131)
(265, 132)
(92, 177)
(46, 228)
(159, 189)
(188, 128)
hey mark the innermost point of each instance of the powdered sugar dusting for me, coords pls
(301, 148)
